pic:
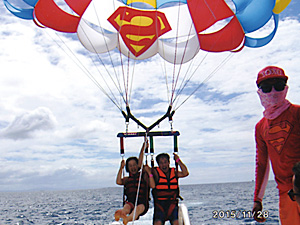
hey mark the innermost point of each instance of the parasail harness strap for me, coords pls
(169, 114)
(151, 134)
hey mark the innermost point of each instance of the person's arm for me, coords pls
(141, 155)
(151, 177)
(155, 175)
(257, 209)
(261, 174)
(184, 171)
(119, 179)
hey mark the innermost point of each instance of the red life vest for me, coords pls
(131, 187)
(166, 188)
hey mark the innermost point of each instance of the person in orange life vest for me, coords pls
(277, 137)
(133, 165)
(294, 193)
(166, 189)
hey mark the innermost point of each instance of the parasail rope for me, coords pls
(139, 184)
(131, 63)
(100, 60)
(125, 79)
(83, 68)
(131, 83)
(119, 85)
(179, 70)
(123, 72)
(207, 78)
(121, 61)
(164, 69)
(163, 66)
(185, 82)
(128, 78)
(175, 54)
(124, 186)
(174, 96)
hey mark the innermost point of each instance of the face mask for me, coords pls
(272, 98)
(274, 102)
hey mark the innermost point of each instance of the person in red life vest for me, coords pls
(294, 193)
(277, 137)
(131, 183)
(166, 189)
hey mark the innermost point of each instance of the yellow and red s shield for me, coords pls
(278, 134)
(139, 29)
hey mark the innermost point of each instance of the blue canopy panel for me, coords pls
(24, 12)
(259, 42)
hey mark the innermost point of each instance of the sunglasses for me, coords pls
(292, 194)
(267, 87)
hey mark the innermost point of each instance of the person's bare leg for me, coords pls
(139, 210)
(122, 213)
(175, 222)
(157, 222)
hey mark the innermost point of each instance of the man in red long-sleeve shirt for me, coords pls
(277, 137)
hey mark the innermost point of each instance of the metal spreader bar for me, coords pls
(150, 134)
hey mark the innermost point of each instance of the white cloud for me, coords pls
(25, 125)
(58, 131)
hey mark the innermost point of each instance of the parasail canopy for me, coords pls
(177, 30)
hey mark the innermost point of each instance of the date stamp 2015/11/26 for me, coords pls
(238, 214)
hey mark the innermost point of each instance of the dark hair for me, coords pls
(162, 155)
(296, 170)
(129, 159)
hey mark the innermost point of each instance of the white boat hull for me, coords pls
(183, 217)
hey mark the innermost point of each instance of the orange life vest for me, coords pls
(166, 188)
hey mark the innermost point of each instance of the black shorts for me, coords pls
(146, 204)
(165, 210)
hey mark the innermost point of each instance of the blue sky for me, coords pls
(58, 131)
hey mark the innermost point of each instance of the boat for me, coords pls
(183, 217)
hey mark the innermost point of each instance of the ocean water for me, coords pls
(229, 203)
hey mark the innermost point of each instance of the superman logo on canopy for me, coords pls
(139, 29)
